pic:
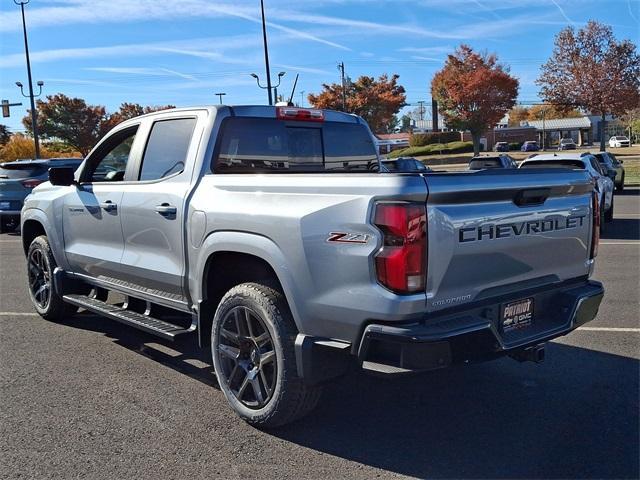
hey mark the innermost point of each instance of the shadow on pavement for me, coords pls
(622, 229)
(629, 191)
(575, 416)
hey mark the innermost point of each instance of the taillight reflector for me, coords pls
(401, 263)
(595, 233)
(302, 114)
(31, 183)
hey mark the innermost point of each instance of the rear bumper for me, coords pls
(476, 334)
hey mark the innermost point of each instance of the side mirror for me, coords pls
(61, 176)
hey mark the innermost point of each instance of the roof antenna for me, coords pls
(293, 90)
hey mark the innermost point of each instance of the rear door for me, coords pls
(493, 232)
(154, 206)
(91, 215)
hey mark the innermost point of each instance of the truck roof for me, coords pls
(265, 111)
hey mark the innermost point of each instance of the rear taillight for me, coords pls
(31, 183)
(303, 114)
(595, 233)
(401, 263)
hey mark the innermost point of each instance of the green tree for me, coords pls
(473, 92)
(5, 134)
(592, 70)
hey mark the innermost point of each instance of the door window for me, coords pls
(113, 160)
(167, 148)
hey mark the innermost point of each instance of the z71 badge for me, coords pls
(342, 237)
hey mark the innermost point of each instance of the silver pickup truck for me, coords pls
(270, 236)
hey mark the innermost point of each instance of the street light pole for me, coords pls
(266, 53)
(34, 125)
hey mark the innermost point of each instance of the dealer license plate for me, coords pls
(517, 315)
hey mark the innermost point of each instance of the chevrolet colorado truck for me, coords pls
(272, 237)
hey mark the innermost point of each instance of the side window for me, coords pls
(167, 148)
(596, 166)
(113, 164)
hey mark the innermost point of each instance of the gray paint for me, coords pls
(285, 219)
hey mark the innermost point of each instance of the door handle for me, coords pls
(166, 209)
(108, 206)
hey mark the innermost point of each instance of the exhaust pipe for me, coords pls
(529, 354)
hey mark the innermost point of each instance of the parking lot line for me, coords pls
(18, 314)
(610, 329)
(631, 242)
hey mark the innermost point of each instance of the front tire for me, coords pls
(252, 346)
(42, 289)
(620, 186)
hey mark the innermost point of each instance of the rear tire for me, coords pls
(42, 289)
(608, 217)
(252, 346)
(602, 216)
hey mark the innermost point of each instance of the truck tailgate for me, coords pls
(492, 233)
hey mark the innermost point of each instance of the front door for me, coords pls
(153, 208)
(91, 214)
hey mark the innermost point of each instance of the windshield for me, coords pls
(268, 145)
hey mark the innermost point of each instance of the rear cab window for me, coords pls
(269, 145)
(167, 147)
(573, 164)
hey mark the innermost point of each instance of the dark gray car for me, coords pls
(612, 164)
(17, 179)
(482, 162)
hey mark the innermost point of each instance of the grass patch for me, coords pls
(631, 172)
(433, 149)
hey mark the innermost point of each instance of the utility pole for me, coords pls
(266, 52)
(220, 96)
(344, 93)
(34, 118)
(421, 103)
(302, 99)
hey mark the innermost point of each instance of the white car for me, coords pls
(584, 161)
(619, 141)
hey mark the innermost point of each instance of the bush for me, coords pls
(434, 149)
(422, 139)
(515, 145)
(19, 147)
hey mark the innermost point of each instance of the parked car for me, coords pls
(482, 162)
(530, 146)
(501, 147)
(612, 164)
(17, 179)
(265, 233)
(404, 165)
(567, 144)
(619, 141)
(603, 182)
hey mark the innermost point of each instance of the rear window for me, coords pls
(479, 164)
(574, 164)
(19, 171)
(268, 145)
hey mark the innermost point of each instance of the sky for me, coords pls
(181, 52)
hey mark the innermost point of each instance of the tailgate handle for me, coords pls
(532, 196)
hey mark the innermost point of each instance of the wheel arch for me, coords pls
(226, 259)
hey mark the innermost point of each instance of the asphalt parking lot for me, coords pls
(90, 398)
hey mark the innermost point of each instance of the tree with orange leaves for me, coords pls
(377, 101)
(473, 92)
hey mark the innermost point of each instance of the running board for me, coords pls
(128, 317)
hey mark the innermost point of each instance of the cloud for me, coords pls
(428, 50)
(118, 11)
(562, 12)
(162, 72)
